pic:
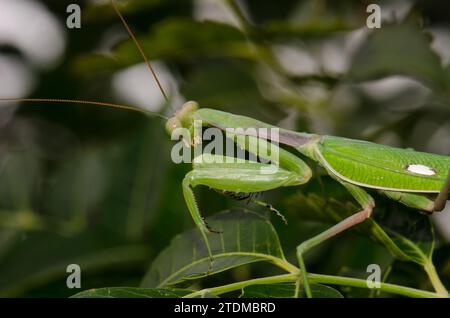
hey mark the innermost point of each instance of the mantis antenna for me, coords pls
(141, 51)
(85, 102)
(106, 104)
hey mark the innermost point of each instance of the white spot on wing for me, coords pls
(421, 169)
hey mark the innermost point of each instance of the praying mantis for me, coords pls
(403, 175)
(406, 176)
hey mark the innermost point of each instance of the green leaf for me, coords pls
(311, 29)
(19, 173)
(246, 238)
(98, 10)
(412, 233)
(407, 234)
(238, 88)
(174, 39)
(384, 52)
(94, 251)
(287, 290)
(132, 292)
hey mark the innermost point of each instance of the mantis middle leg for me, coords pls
(421, 201)
(367, 204)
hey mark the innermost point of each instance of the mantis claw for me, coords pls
(214, 231)
(209, 229)
(271, 208)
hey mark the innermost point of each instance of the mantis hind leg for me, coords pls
(412, 200)
(367, 203)
(441, 199)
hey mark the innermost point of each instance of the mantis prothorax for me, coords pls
(406, 176)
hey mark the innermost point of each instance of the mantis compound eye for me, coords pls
(189, 107)
(184, 115)
(182, 118)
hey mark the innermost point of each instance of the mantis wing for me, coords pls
(383, 167)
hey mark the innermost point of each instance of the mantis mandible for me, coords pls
(407, 176)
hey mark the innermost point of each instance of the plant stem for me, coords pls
(435, 280)
(317, 278)
(285, 278)
(361, 283)
(285, 265)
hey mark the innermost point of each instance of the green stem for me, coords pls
(286, 278)
(362, 283)
(435, 280)
(285, 265)
(317, 278)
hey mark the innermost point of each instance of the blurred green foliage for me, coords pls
(96, 187)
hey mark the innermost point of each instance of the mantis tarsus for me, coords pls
(406, 176)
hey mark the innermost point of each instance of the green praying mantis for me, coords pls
(418, 180)
(404, 175)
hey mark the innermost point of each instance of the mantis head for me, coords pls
(182, 118)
